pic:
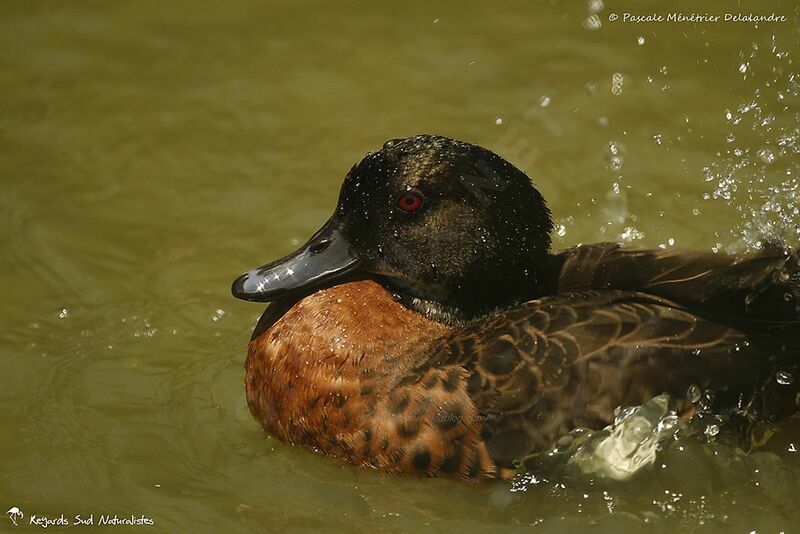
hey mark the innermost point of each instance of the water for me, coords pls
(151, 152)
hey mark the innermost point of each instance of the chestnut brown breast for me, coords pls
(341, 372)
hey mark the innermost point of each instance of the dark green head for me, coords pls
(451, 227)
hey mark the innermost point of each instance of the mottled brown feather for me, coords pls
(596, 351)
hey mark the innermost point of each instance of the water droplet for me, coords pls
(498, 121)
(766, 155)
(712, 430)
(615, 159)
(707, 400)
(217, 315)
(544, 101)
(640, 40)
(592, 22)
(64, 313)
(595, 6)
(693, 394)
(631, 234)
(784, 378)
(561, 230)
(743, 68)
(617, 80)
(148, 330)
(657, 139)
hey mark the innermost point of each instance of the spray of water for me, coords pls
(758, 173)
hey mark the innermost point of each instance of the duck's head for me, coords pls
(452, 228)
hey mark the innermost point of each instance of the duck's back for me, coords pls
(756, 291)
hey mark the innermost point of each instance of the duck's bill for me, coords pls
(327, 259)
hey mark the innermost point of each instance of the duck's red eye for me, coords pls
(410, 201)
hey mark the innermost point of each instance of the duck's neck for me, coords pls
(491, 292)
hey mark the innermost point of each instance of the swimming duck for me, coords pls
(427, 328)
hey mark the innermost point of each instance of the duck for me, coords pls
(428, 329)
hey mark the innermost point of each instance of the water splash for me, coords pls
(758, 171)
(641, 435)
(617, 452)
(630, 443)
(630, 234)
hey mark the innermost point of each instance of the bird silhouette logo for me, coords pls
(15, 513)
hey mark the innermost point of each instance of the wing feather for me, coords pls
(755, 287)
(568, 361)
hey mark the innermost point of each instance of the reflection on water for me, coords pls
(151, 152)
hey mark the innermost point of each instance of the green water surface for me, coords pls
(152, 151)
